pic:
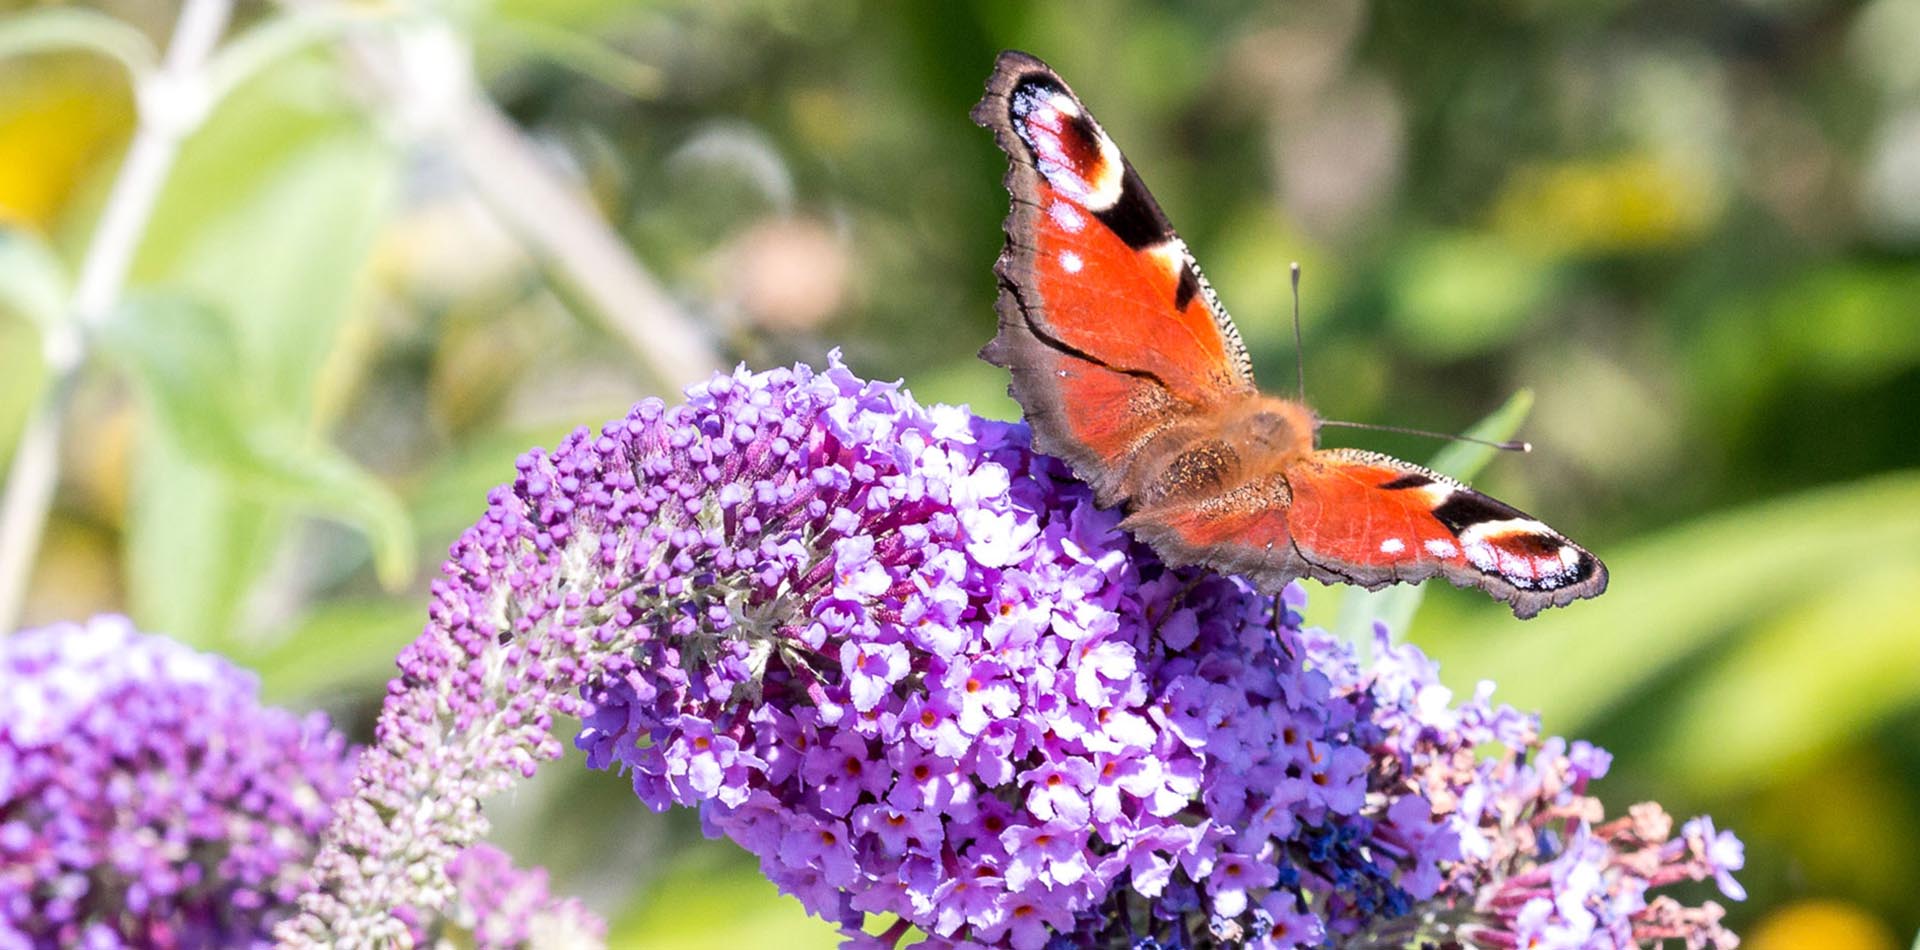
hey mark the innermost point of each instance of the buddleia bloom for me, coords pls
(148, 799)
(914, 669)
(1540, 865)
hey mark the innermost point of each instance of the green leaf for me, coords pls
(341, 647)
(65, 28)
(22, 378)
(33, 282)
(1686, 589)
(269, 218)
(197, 381)
(580, 51)
(1811, 678)
(1395, 605)
(716, 897)
(268, 42)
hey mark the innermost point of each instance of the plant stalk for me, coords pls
(172, 103)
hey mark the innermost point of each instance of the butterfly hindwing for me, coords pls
(1110, 329)
(1344, 516)
(1370, 519)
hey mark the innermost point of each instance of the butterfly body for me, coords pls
(1129, 368)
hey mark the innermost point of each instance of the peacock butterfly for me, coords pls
(1130, 369)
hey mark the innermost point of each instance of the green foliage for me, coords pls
(709, 898)
(33, 287)
(1460, 295)
(33, 282)
(341, 648)
(212, 411)
(1676, 594)
(267, 220)
(60, 28)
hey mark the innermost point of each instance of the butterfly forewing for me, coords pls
(1109, 327)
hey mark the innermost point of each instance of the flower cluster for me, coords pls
(1540, 867)
(915, 669)
(912, 667)
(498, 905)
(148, 799)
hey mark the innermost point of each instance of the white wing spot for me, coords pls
(1065, 105)
(1482, 555)
(1441, 547)
(1071, 262)
(1171, 254)
(1067, 217)
(1487, 530)
(1392, 546)
(1104, 192)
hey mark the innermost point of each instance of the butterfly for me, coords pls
(1128, 367)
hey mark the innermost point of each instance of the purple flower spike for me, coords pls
(501, 907)
(913, 667)
(146, 797)
(1538, 866)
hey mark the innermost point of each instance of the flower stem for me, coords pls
(421, 77)
(172, 103)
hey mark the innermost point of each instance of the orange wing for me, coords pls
(1353, 517)
(1110, 330)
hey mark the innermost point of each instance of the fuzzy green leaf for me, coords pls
(198, 383)
(33, 283)
(64, 28)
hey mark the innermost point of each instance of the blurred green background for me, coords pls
(398, 244)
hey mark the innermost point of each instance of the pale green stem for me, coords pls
(172, 101)
(421, 76)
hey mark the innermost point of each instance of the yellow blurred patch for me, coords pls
(77, 573)
(1860, 842)
(58, 117)
(1820, 925)
(1629, 203)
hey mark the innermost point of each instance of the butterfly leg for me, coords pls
(1280, 626)
(1174, 602)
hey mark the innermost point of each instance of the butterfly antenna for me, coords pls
(1300, 373)
(1512, 445)
(1299, 352)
